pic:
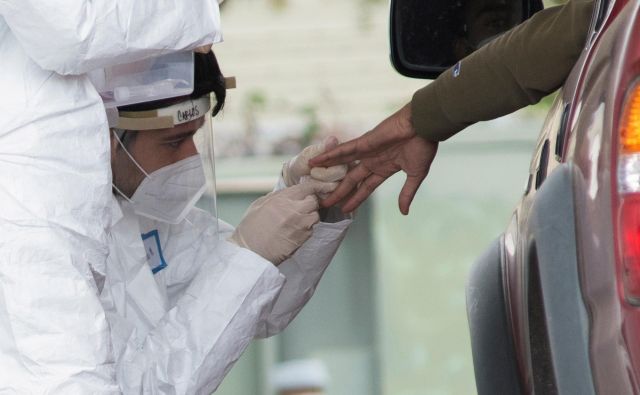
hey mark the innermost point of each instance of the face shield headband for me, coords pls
(164, 118)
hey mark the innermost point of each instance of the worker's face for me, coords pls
(153, 150)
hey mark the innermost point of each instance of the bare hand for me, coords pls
(388, 148)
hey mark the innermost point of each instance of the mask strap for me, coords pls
(125, 197)
(130, 157)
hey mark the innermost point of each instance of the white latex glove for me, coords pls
(275, 225)
(298, 166)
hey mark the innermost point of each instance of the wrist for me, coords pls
(239, 241)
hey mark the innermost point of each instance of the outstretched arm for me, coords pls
(515, 70)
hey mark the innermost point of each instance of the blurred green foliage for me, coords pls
(312, 125)
(278, 5)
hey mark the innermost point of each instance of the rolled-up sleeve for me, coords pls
(515, 70)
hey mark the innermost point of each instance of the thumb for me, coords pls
(329, 174)
(311, 152)
(314, 150)
(313, 187)
(329, 143)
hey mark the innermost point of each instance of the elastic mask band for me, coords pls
(125, 197)
(130, 156)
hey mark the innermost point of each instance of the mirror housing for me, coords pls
(430, 36)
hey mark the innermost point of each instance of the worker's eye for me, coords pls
(178, 140)
(175, 143)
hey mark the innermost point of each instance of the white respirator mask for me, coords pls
(169, 193)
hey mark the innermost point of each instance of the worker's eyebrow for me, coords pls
(178, 136)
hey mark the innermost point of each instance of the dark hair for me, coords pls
(207, 79)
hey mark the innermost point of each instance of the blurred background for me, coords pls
(389, 317)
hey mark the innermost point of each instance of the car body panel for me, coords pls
(558, 320)
(589, 148)
(572, 330)
(493, 356)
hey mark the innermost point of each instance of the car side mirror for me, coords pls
(429, 36)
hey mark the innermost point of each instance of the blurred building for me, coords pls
(305, 68)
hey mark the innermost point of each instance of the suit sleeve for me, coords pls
(76, 36)
(515, 70)
(304, 270)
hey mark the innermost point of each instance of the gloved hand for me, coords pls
(275, 225)
(298, 166)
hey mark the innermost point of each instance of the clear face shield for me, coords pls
(146, 80)
(163, 164)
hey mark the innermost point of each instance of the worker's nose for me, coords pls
(189, 149)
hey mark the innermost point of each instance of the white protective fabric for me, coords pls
(180, 330)
(289, 216)
(55, 185)
(169, 193)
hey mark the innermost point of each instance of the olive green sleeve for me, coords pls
(517, 69)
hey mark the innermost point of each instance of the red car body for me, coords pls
(551, 304)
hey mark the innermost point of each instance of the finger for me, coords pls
(408, 192)
(342, 154)
(313, 150)
(329, 174)
(310, 219)
(314, 187)
(348, 184)
(395, 128)
(301, 161)
(330, 143)
(309, 204)
(366, 188)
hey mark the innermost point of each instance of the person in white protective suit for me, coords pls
(185, 293)
(55, 180)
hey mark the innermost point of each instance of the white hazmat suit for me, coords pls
(181, 329)
(55, 183)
